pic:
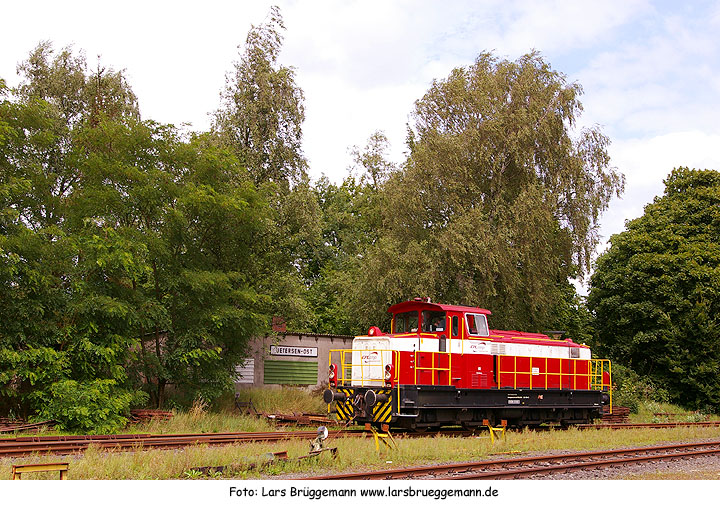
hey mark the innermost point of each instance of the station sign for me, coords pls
(293, 351)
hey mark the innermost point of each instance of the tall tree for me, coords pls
(130, 254)
(655, 292)
(174, 240)
(45, 341)
(352, 218)
(71, 97)
(262, 109)
(498, 201)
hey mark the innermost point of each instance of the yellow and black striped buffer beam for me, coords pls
(382, 411)
(345, 408)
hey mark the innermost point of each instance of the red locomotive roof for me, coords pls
(516, 333)
(409, 305)
(495, 335)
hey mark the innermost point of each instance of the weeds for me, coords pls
(247, 461)
(250, 460)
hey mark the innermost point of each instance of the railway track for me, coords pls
(538, 465)
(661, 425)
(61, 445)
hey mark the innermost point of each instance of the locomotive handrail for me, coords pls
(344, 378)
(432, 367)
(574, 375)
(594, 376)
(598, 382)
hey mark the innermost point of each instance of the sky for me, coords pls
(650, 71)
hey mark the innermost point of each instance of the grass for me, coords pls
(285, 400)
(649, 412)
(353, 453)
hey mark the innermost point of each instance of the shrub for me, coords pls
(93, 407)
(631, 389)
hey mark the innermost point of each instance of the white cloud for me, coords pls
(646, 163)
(649, 72)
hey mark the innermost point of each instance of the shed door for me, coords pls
(289, 372)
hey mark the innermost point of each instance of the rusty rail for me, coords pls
(16, 447)
(533, 466)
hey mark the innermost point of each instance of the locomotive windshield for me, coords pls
(477, 325)
(433, 321)
(406, 322)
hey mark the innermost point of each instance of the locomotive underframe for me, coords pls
(430, 406)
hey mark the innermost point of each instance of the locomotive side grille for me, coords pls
(497, 349)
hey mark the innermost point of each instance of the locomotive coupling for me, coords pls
(330, 396)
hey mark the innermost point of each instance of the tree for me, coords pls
(372, 162)
(63, 99)
(173, 247)
(131, 256)
(262, 109)
(655, 292)
(352, 218)
(50, 331)
(497, 204)
(260, 120)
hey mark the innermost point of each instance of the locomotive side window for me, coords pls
(433, 321)
(477, 325)
(406, 322)
(455, 326)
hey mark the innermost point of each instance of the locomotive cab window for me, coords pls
(406, 322)
(433, 321)
(477, 325)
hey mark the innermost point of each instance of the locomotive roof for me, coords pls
(409, 305)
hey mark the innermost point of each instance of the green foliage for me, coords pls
(631, 389)
(262, 109)
(497, 204)
(351, 219)
(132, 256)
(656, 291)
(91, 407)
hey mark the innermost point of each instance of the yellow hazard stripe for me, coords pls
(345, 408)
(383, 412)
(342, 412)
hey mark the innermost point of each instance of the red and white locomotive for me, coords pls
(442, 365)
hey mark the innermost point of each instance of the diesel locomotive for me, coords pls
(442, 365)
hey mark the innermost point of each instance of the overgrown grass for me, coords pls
(285, 400)
(353, 454)
(224, 416)
(659, 412)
